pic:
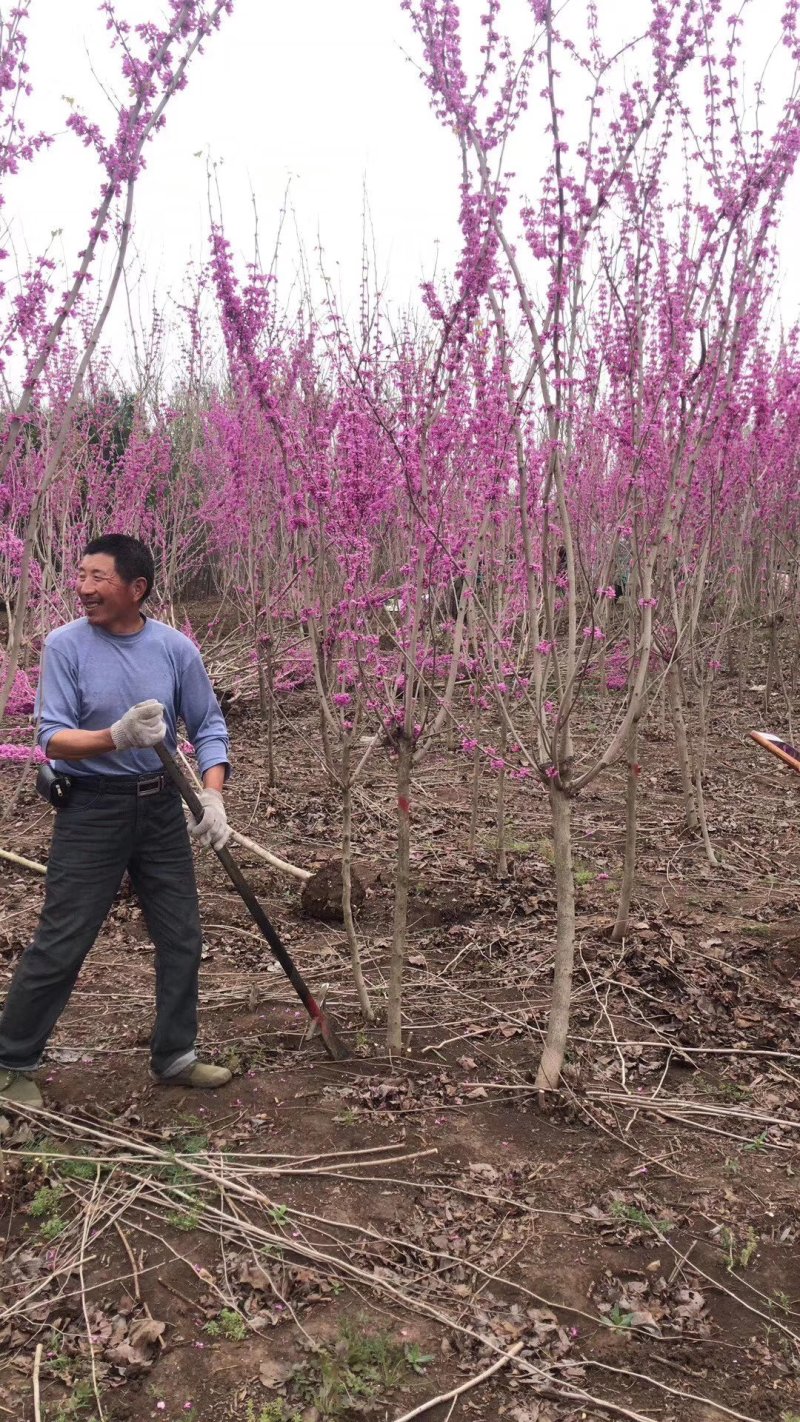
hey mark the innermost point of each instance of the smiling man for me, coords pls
(113, 684)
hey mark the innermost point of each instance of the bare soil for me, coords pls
(339, 1240)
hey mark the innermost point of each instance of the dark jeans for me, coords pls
(95, 839)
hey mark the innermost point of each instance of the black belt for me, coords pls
(138, 785)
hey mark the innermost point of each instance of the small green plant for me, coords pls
(46, 1200)
(781, 1300)
(276, 1411)
(730, 1090)
(633, 1215)
(416, 1359)
(619, 1319)
(347, 1117)
(739, 1257)
(228, 1324)
(760, 1143)
(358, 1368)
(583, 877)
(279, 1214)
(77, 1404)
(52, 1228)
(185, 1220)
(44, 1207)
(790, 1417)
(194, 1144)
(78, 1169)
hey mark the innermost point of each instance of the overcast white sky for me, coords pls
(318, 93)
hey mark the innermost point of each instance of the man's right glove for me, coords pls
(213, 829)
(142, 726)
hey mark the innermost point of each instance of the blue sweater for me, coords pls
(89, 678)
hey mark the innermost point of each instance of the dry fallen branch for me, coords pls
(23, 863)
(464, 1387)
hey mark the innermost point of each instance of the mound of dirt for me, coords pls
(321, 895)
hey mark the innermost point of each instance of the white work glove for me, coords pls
(142, 726)
(213, 829)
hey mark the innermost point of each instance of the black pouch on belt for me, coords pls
(55, 789)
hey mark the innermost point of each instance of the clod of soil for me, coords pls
(321, 895)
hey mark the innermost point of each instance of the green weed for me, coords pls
(45, 1201)
(276, 1411)
(185, 1220)
(739, 1256)
(52, 1228)
(618, 1319)
(416, 1359)
(357, 1369)
(633, 1215)
(76, 1405)
(228, 1324)
(729, 1090)
(348, 1117)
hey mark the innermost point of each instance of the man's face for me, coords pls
(106, 599)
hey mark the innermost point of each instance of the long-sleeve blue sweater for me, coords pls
(90, 677)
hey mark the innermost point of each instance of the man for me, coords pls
(122, 813)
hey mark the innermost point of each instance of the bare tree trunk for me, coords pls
(476, 781)
(405, 751)
(682, 747)
(347, 888)
(552, 1061)
(501, 860)
(473, 815)
(629, 863)
(744, 665)
(698, 759)
(772, 660)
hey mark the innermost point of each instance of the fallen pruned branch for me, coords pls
(466, 1386)
(23, 863)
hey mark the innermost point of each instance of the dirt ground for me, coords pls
(338, 1240)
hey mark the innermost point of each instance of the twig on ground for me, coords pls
(467, 1386)
(22, 862)
(37, 1363)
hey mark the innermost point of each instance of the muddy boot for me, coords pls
(201, 1074)
(19, 1089)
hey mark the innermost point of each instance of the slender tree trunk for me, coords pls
(682, 747)
(552, 1061)
(772, 660)
(473, 814)
(405, 751)
(698, 759)
(501, 860)
(347, 888)
(629, 863)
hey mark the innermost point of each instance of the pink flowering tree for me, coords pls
(154, 63)
(600, 315)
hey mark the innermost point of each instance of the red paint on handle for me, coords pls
(403, 804)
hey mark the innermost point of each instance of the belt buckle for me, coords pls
(149, 785)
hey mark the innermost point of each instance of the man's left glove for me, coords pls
(213, 829)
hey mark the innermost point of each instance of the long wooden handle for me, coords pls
(234, 873)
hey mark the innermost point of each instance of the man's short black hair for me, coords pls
(132, 558)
